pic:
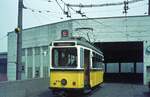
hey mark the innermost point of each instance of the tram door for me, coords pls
(87, 68)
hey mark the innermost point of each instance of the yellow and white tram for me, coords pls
(75, 64)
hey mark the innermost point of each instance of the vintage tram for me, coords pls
(75, 65)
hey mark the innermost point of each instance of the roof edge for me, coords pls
(85, 19)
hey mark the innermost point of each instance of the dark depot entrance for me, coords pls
(123, 61)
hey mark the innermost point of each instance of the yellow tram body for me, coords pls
(96, 77)
(75, 79)
(86, 73)
(72, 77)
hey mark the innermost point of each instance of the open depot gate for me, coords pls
(123, 61)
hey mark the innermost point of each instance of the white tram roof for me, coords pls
(80, 41)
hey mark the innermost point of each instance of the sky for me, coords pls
(41, 12)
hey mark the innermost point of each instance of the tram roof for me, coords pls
(80, 41)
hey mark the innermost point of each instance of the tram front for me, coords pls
(65, 72)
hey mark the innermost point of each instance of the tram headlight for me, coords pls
(64, 82)
(73, 83)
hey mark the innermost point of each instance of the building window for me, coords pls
(45, 50)
(37, 51)
(23, 52)
(29, 52)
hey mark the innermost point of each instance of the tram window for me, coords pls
(64, 57)
(97, 61)
(82, 58)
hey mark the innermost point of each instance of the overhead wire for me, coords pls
(34, 12)
(78, 23)
(67, 13)
(101, 5)
(38, 20)
(59, 5)
(102, 22)
(41, 12)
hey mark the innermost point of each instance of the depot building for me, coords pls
(125, 42)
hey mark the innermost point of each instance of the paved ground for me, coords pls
(113, 90)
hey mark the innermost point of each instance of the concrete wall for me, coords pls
(114, 29)
(40, 37)
(11, 61)
(24, 88)
(43, 35)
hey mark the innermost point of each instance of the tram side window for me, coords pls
(82, 58)
(64, 57)
(97, 61)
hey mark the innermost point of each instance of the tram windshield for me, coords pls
(64, 57)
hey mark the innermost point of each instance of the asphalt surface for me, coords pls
(111, 90)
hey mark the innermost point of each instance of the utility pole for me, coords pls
(125, 7)
(18, 31)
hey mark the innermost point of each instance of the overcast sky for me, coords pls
(32, 17)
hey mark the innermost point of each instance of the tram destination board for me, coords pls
(64, 44)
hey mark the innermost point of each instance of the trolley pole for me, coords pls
(18, 31)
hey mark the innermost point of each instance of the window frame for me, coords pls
(97, 57)
(63, 67)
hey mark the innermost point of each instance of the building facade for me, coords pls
(127, 39)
